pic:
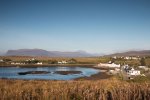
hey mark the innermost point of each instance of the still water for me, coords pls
(12, 73)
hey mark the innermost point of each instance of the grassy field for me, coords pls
(80, 60)
(73, 90)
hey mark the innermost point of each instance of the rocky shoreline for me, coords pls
(99, 76)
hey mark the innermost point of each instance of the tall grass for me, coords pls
(73, 90)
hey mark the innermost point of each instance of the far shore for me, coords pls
(60, 65)
(47, 65)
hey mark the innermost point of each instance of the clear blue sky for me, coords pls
(102, 26)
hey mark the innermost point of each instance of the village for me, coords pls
(34, 61)
(125, 70)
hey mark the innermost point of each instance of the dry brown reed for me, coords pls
(73, 90)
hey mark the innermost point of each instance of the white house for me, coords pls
(127, 58)
(1, 60)
(59, 62)
(115, 57)
(31, 59)
(17, 63)
(133, 72)
(39, 63)
(115, 71)
(133, 58)
(13, 63)
(125, 66)
(62, 62)
(113, 65)
(144, 67)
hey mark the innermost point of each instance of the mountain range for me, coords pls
(40, 52)
(132, 53)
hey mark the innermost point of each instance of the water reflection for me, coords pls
(12, 72)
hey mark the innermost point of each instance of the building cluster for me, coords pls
(128, 71)
(70, 61)
(32, 59)
(17, 63)
(131, 71)
(62, 62)
(35, 61)
(28, 61)
(110, 65)
(127, 57)
(145, 68)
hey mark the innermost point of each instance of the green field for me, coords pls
(77, 60)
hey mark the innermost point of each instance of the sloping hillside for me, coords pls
(133, 53)
(40, 52)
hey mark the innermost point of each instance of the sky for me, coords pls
(95, 26)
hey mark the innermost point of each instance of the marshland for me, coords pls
(98, 86)
(111, 89)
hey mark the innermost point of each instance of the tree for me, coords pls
(35, 61)
(72, 61)
(7, 60)
(31, 61)
(142, 62)
(52, 61)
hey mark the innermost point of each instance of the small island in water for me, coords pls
(33, 72)
(68, 72)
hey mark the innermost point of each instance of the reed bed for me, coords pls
(73, 90)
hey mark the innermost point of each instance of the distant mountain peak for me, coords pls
(41, 52)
